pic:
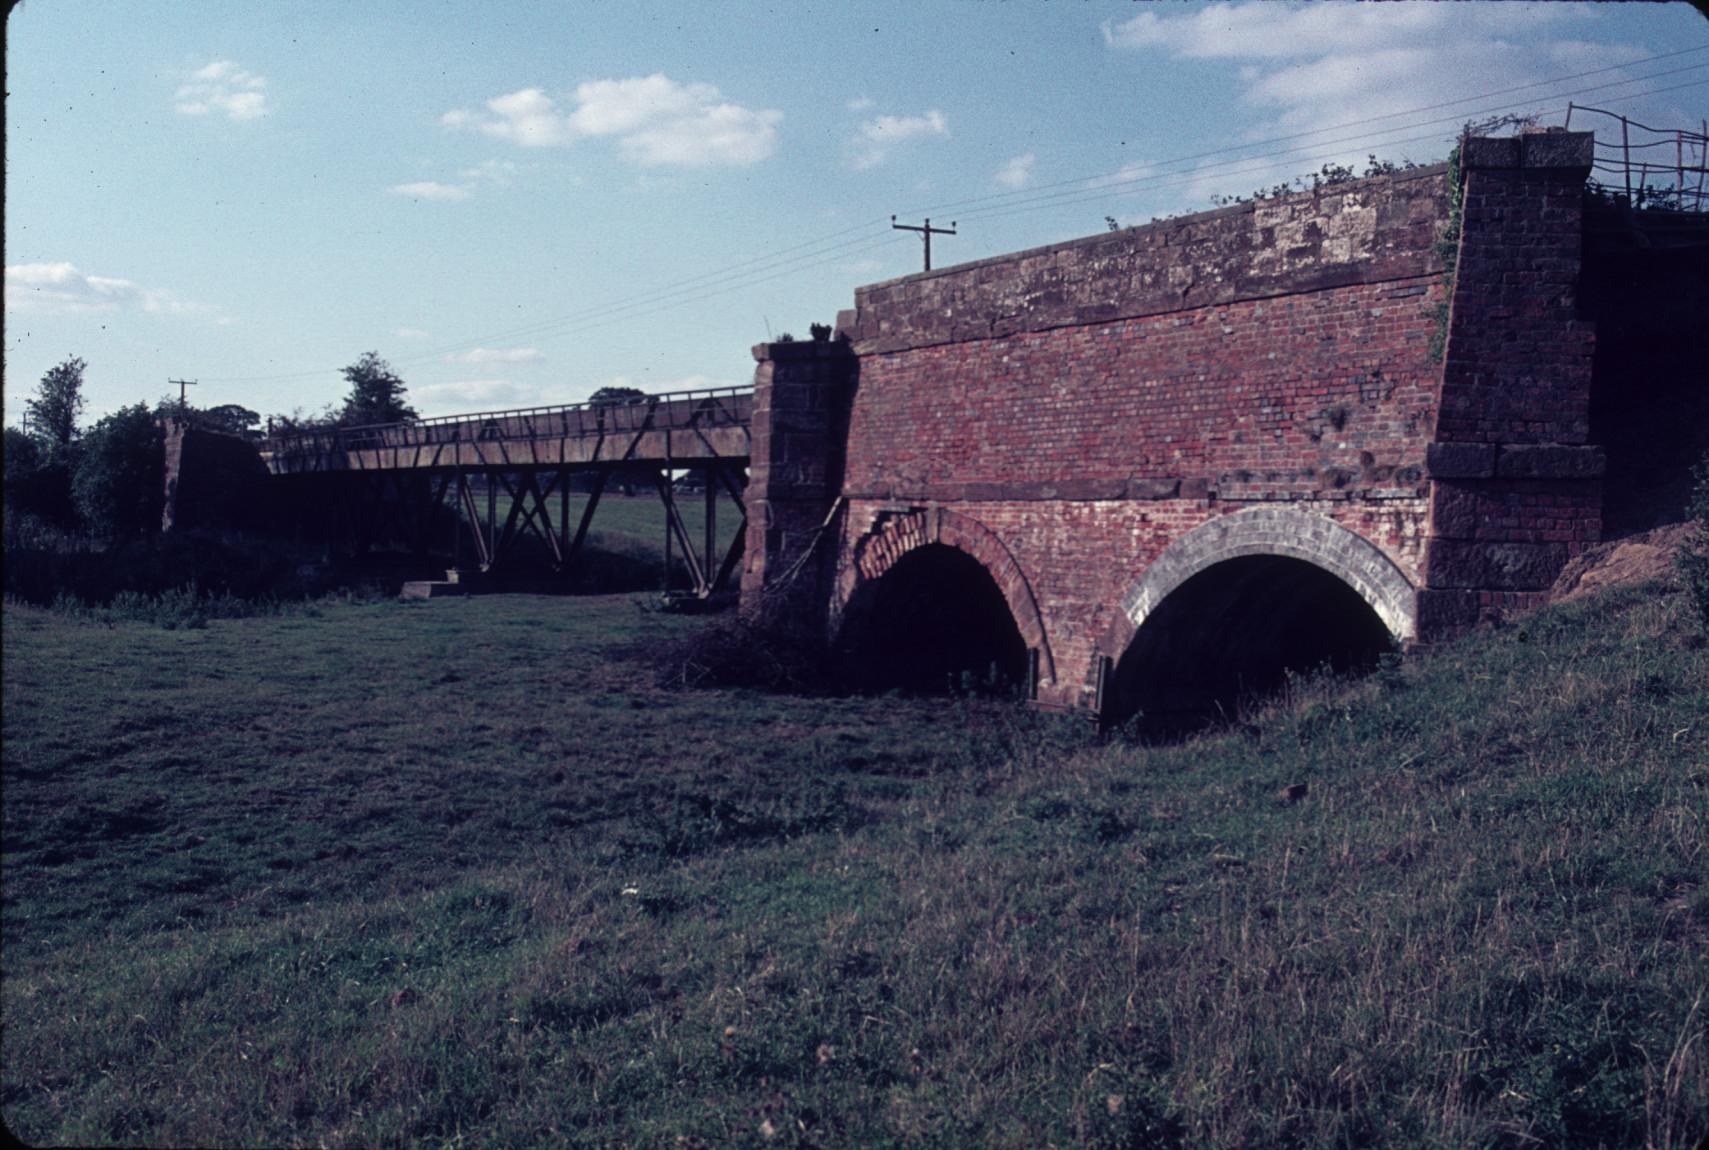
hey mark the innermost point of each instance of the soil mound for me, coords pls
(1632, 559)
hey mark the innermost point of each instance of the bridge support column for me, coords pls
(1515, 488)
(801, 396)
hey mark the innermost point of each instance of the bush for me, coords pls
(236, 567)
(1694, 555)
(118, 486)
(38, 481)
(740, 651)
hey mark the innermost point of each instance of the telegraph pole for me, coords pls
(182, 384)
(926, 234)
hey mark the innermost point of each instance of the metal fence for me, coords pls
(1658, 168)
(702, 407)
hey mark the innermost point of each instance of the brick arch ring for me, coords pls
(881, 548)
(1316, 539)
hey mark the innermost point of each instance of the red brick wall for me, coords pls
(1278, 352)
(1089, 403)
(1517, 491)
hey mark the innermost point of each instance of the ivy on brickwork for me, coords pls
(1448, 243)
(1448, 251)
(1328, 176)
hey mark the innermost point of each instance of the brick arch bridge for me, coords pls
(891, 539)
(1315, 539)
(1283, 432)
(1299, 386)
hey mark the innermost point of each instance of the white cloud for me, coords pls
(1018, 172)
(497, 355)
(1308, 68)
(1241, 31)
(876, 138)
(862, 104)
(432, 190)
(1125, 174)
(223, 88)
(493, 393)
(465, 395)
(528, 118)
(655, 120)
(59, 288)
(498, 172)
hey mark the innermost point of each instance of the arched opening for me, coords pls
(1231, 633)
(934, 623)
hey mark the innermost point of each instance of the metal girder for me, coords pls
(676, 527)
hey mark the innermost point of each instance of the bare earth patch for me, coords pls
(1634, 559)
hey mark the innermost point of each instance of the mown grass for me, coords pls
(461, 872)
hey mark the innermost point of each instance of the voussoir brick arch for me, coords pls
(882, 547)
(1316, 539)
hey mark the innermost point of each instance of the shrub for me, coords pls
(118, 485)
(741, 651)
(1693, 559)
(38, 480)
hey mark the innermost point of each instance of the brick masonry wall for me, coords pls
(1081, 407)
(1092, 402)
(1517, 490)
(1080, 557)
(212, 480)
(797, 433)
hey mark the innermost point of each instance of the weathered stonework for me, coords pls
(1097, 421)
(801, 394)
(211, 480)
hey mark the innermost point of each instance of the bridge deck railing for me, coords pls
(703, 407)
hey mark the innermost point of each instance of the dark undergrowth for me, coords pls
(462, 871)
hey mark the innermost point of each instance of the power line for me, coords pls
(648, 304)
(1105, 181)
(644, 305)
(821, 250)
(1248, 165)
(943, 207)
(926, 234)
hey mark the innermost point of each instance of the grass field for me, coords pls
(460, 872)
(625, 544)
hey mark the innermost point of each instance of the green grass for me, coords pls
(461, 872)
(635, 524)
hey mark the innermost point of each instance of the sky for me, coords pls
(516, 203)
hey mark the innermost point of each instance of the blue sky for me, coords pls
(517, 203)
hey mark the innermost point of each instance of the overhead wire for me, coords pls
(1102, 183)
(1268, 140)
(1251, 165)
(821, 250)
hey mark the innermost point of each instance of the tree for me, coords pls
(376, 393)
(231, 418)
(227, 418)
(41, 458)
(28, 484)
(118, 485)
(51, 417)
(614, 396)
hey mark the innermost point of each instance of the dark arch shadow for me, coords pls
(935, 622)
(1231, 634)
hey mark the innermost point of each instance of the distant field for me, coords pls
(460, 872)
(632, 527)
